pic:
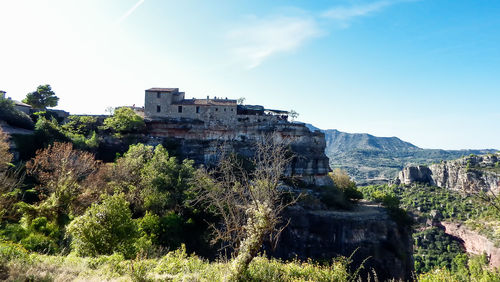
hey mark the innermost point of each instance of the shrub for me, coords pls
(334, 198)
(104, 228)
(39, 243)
(13, 116)
(124, 120)
(343, 182)
(10, 251)
(84, 125)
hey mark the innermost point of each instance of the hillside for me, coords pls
(370, 159)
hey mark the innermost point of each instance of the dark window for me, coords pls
(231, 110)
(179, 109)
(216, 109)
(224, 109)
(158, 109)
(197, 110)
(158, 94)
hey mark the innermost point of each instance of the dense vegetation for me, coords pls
(433, 248)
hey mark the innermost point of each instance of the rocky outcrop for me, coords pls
(202, 142)
(411, 174)
(468, 174)
(473, 242)
(367, 233)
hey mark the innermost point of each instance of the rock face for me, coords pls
(473, 242)
(411, 174)
(367, 232)
(473, 173)
(202, 141)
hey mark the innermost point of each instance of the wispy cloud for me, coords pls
(129, 12)
(344, 13)
(262, 38)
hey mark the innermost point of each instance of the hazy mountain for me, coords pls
(371, 159)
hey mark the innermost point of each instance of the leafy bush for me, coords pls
(11, 251)
(151, 179)
(475, 268)
(343, 182)
(39, 243)
(13, 232)
(12, 116)
(124, 120)
(47, 114)
(83, 125)
(104, 228)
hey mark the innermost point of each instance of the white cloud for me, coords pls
(347, 13)
(263, 38)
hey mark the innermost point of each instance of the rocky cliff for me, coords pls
(367, 233)
(201, 142)
(473, 242)
(468, 174)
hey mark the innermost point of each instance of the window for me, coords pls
(158, 95)
(179, 109)
(158, 108)
(231, 110)
(216, 109)
(198, 110)
(224, 109)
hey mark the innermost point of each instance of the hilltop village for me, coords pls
(171, 103)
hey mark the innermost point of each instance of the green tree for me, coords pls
(42, 98)
(61, 171)
(124, 120)
(105, 228)
(151, 179)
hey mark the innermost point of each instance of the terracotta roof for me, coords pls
(209, 102)
(155, 89)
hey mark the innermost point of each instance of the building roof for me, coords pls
(156, 89)
(207, 102)
(19, 103)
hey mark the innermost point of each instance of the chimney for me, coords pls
(208, 98)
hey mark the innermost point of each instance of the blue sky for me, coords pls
(425, 71)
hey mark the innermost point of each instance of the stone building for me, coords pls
(170, 103)
(23, 107)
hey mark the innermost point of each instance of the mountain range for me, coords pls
(370, 159)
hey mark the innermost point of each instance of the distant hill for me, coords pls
(370, 159)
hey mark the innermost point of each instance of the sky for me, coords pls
(426, 71)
